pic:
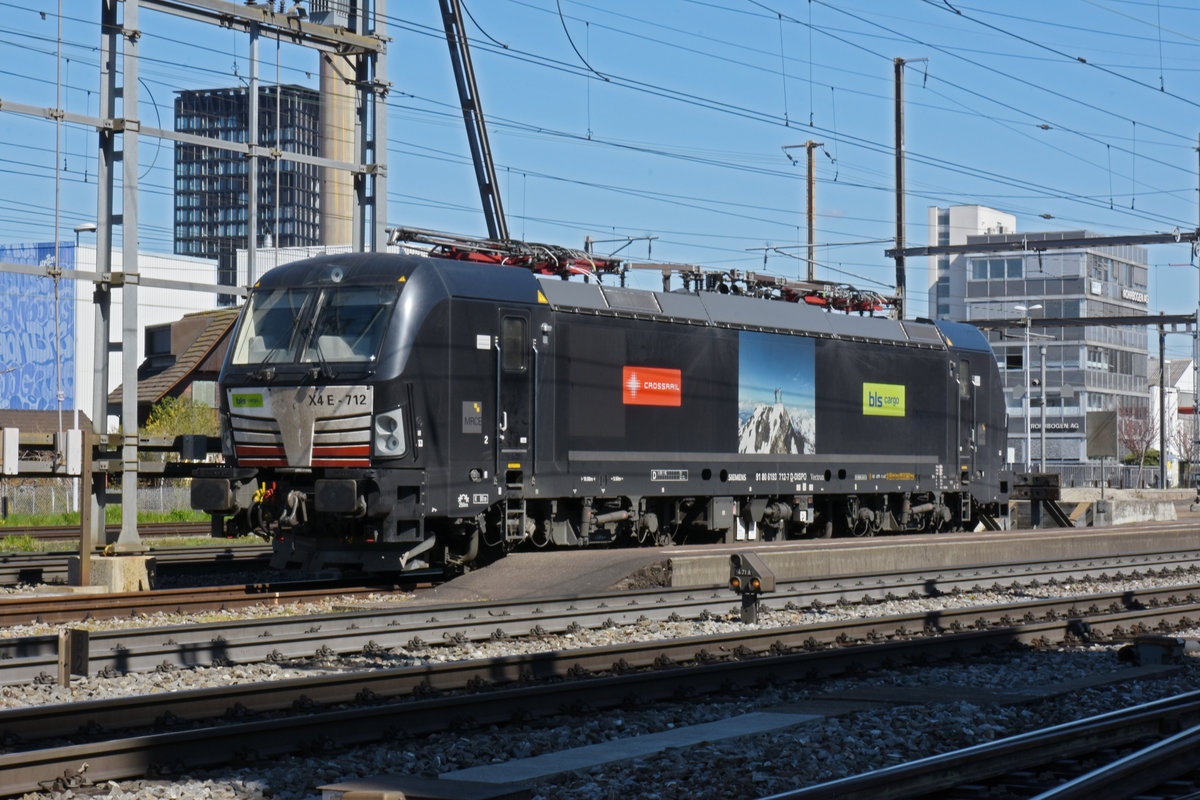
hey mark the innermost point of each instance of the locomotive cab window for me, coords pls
(349, 325)
(314, 325)
(512, 344)
(270, 326)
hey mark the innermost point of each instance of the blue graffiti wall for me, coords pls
(28, 378)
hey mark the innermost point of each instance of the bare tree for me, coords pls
(1137, 430)
(1183, 443)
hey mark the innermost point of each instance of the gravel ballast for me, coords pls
(743, 767)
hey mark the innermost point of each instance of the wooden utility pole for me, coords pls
(809, 145)
(809, 198)
(898, 71)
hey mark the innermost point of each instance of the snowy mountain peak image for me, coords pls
(776, 394)
(770, 430)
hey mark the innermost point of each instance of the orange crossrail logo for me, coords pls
(652, 386)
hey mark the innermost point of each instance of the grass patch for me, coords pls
(197, 541)
(23, 543)
(112, 516)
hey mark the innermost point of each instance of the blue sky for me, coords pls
(669, 118)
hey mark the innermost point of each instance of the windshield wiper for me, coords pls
(322, 370)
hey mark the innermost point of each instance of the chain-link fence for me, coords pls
(1113, 476)
(62, 495)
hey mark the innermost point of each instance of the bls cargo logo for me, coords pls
(246, 400)
(883, 399)
(652, 386)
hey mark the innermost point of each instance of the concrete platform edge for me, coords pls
(834, 558)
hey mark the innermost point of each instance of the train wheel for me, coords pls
(823, 528)
(463, 543)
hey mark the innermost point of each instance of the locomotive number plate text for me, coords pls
(334, 399)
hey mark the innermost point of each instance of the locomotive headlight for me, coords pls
(389, 433)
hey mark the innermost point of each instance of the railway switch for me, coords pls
(750, 577)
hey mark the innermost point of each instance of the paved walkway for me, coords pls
(532, 769)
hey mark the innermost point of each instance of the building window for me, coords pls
(1100, 359)
(158, 340)
(997, 268)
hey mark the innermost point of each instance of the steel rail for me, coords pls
(1068, 740)
(494, 693)
(340, 633)
(71, 532)
(1138, 772)
(52, 609)
(52, 567)
(880, 632)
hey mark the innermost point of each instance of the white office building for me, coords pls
(1087, 368)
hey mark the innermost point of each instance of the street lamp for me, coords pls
(84, 227)
(1025, 358)
(87, 227)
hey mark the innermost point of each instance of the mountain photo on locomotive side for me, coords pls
(776, 398)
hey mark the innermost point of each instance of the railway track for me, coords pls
(52, 609)
(398, 624)
(222, 725)
(494, 690)
(52, 567)
(71, 532)
(1147, 751)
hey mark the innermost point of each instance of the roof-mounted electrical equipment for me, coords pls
(546, 259)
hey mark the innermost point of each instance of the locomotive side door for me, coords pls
(968, 444)
(514, 394)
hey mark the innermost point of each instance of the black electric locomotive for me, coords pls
(394, 411)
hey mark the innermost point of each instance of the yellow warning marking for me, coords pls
(542, 297)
